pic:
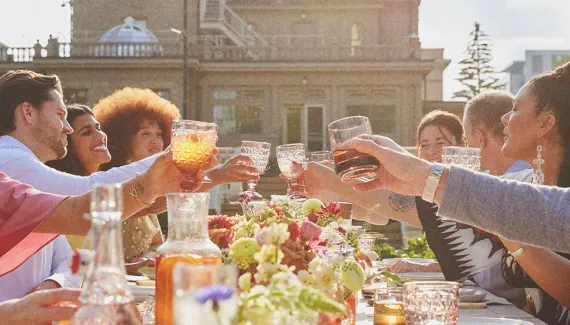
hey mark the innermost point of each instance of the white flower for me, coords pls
(274, 234)
(331, 234)
(307, 278)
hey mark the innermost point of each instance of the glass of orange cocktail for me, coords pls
(193, 144)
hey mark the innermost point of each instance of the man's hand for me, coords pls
(40, 307)
(237, 169)
(399, 171)
(46, 285)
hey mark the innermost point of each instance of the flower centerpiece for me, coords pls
(297, 265)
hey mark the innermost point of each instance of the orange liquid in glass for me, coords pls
(192, 151)
(165, 283)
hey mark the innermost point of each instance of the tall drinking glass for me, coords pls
(462, 156)
(193, 144)
(349, 163)
(322, 156)
(289, 157)
(205, 294)
(431, 302)
(259, 153)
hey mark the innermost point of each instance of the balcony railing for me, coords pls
(208, 51)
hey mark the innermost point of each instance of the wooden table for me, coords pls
(365, 313)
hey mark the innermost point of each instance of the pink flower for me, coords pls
(313, 218)
(310, 231)
(332, 208)
(294, 231)
(221, 222)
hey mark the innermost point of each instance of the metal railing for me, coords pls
(216, 12)
(208, 50)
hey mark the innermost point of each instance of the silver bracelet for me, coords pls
(432, 182)
(517, 253)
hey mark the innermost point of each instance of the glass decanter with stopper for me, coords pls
(105, 297)
(187, 242)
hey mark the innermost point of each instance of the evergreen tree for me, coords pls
(476, 73)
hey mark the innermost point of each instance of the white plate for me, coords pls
(142, 290)
(478, 296)
(390, 261)
(422, 276)
(492, 321)
(467, 292)
(135, 278)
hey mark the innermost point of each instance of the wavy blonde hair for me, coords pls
(122, 113)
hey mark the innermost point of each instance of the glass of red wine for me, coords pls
(349, 163)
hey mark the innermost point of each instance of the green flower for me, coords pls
(316, 300)
(243, 249)
(244, 281)
(352, 275)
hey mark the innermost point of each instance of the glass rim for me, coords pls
(187, 194)
(433, 284)
(199, 123)
(107, 185)
(332, 126)
(461, 148)
(289, 146)
(323, 152)
(261, 143)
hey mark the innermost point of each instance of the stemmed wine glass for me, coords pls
(289, 157)
(259, 153)
(193, 144)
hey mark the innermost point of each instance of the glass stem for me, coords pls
(251, 186)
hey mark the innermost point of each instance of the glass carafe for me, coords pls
(187, 242)
(105, 297)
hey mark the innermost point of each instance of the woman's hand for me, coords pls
(135, 264)
(41, 307)
(237, 169)
(399, 171)
(405, 266)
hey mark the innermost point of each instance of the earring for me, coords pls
(538, 175)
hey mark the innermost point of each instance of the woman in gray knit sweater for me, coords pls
(541, 115)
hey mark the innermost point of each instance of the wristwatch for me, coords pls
(432, 182)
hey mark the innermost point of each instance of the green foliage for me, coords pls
(386, 251)
(417, 248)
(476, 73)
(564, 60)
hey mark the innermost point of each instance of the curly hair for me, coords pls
(121, 116)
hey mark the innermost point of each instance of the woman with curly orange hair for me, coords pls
(134, 124)
(138, 124)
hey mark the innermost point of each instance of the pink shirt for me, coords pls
(22, 210)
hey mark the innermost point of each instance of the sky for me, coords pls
(513, 25)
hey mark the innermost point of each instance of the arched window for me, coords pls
(356, 37)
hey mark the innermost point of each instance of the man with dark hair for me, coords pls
(33, 130)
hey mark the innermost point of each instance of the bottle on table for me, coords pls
(105, 297)
(187, 242)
